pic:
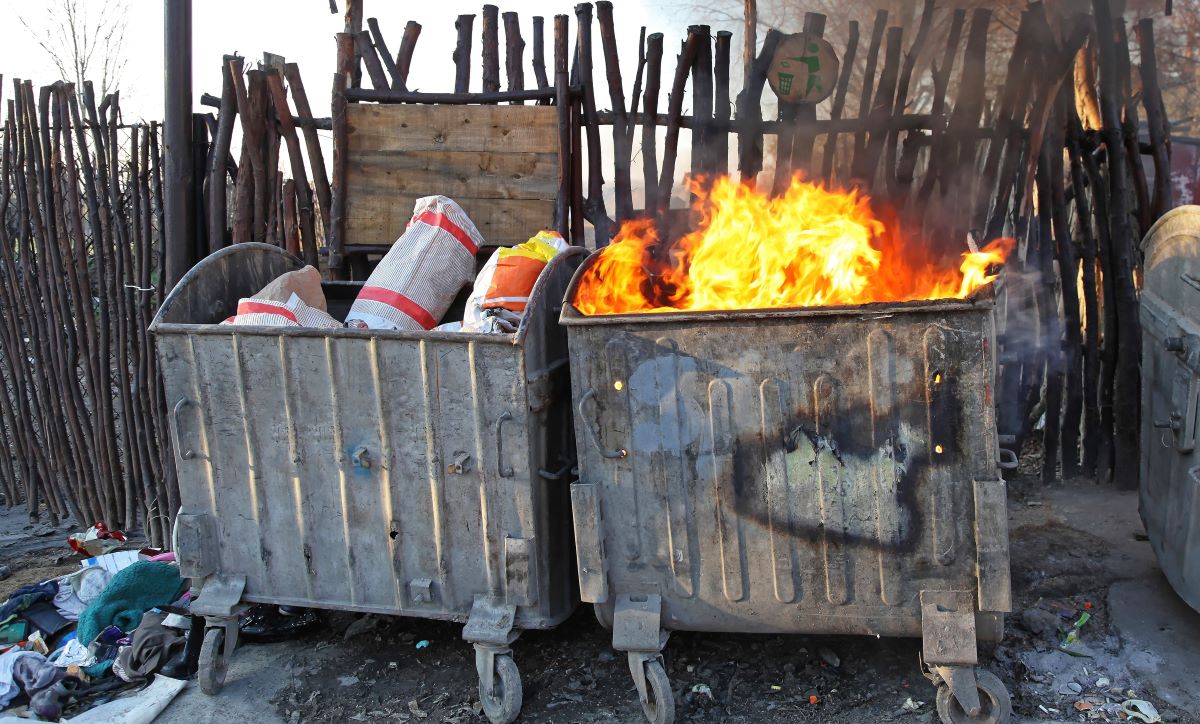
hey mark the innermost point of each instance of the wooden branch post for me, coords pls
(562, 101)
(514, 54)
(491, 49)
(462, 53)
(654, 53)
(1126, 397)
(622, 151)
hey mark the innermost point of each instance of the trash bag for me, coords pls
(506, 281)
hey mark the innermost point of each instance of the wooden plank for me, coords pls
(502, 222)
(528, 129)
(476, 174)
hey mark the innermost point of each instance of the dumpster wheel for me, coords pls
(213, 665)
(659, 705)
(504, 703)
(993, 695)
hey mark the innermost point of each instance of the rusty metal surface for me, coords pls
(1170, 467)
(374, 471)
(807, 471)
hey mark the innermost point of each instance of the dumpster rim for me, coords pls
(159, 327)
(982, 299)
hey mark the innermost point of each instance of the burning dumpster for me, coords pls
(767, 445)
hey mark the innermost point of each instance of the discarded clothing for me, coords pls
(8, 686)
(144, 706)
(45, 618)
(13, 630)
(35, 673)
(88, 582)
(98, 670)
(67, 602)
(50, 703)
(72, 653)
(153, 646)
(131, 592)
(26, 596)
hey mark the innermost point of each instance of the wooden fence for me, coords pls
(1054, 159)
(82, 405)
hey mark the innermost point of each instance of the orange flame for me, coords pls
(809, 247)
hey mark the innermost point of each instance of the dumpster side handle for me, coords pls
(506, 471)
(184, 453)
(593, 427)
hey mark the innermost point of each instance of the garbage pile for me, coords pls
(415, 284)
(90, 641)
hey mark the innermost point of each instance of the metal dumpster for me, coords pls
(415, 474)
(1170, 469)
(821, 471)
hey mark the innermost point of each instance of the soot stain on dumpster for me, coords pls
(852, 453)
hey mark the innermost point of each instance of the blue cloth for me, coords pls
(26, 596)
(133, 591)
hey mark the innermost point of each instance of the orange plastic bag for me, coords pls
(512, 282)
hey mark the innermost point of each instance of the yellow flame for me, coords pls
(809, 247)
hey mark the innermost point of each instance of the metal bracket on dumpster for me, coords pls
(545, 385)
(195, 538)
(520, 571)
(220, 596)
(420, 590)
(637, 624)
(991, 545)
(491, 623)
(948, 628)
(589, 543)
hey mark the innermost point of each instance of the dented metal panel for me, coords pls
(808, 471)
(371, 471)
(1170, 467)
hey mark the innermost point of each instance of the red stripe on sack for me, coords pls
(398, 301)
(442, 221)
(250, 307)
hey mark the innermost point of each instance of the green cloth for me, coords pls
(98, 669)
(130, 593)
(13, 630)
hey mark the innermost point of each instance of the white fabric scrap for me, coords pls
(72, 654)
(67, 602)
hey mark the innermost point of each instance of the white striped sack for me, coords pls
(418, 279)
(269, 313)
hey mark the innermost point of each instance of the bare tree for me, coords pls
(85, 39)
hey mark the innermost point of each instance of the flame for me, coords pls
(809, 247)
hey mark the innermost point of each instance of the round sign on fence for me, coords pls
(804, 69)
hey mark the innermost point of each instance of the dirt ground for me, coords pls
(1075, 548)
